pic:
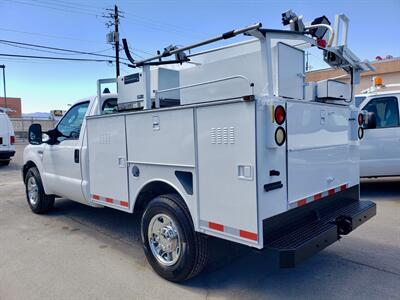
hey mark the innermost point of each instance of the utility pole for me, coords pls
(116, 21)
(4, 84)
(113, 37)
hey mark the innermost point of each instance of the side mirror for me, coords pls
(35, 134)
(370, 120)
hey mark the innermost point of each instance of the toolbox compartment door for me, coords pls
(321, 160)
(107, 161)
(226, 166)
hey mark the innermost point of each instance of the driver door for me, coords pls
(61, 161)
(380, 147)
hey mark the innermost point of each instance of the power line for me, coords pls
(50, 36)
(57, 58)
(41, 50)
(68, 5)
(79, 4)
(51, 7)
(58, 49)
(67, 38)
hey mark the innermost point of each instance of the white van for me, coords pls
(380, 147)
(7, 138)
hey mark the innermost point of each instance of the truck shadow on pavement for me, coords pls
(378, 189)
(248, 273)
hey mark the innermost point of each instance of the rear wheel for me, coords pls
(172, 247)
(38, 201)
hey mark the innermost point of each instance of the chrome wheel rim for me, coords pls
(33, 191)
(164, 240)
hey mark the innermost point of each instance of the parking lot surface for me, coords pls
(79, 252)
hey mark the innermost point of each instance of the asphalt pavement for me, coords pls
(79, 252)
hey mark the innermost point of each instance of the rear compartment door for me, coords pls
(321, 161)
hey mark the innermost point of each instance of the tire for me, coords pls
(42, 203)
(193, 250)
(5, 162)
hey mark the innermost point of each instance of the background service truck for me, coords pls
(7, 138)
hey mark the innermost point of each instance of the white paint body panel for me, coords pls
(6, 131)
(108, 158)
(333, 89)
(320, 155)
(161, 137)
(226, 146)
(289, 75)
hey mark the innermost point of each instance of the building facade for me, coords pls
(388, 69)
(13, 104)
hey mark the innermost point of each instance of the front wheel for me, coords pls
(172, 247)
(38, 201)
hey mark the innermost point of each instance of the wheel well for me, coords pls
(29, 164)
(152, 190)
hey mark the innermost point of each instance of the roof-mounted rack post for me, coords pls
(100, 82)
(342, 18)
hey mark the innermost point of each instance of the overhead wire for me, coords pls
(51, 7)
(70, 6)
(59, 58)
(60, 49)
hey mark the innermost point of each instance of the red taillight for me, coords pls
(321, 43)
(360, 119)
(12, 140)
(280, 114)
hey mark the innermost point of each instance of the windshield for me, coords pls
(359, 100)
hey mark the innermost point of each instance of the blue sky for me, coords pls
(151, 25)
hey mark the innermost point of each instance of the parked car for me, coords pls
(7, 138)
(380, 147)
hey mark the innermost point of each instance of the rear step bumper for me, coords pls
(300, 233)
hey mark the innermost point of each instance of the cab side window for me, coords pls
(70, 125)
(110, 106)
(386, 110)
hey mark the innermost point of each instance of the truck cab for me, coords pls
(62, 160)
(380, 147)
(7, 138)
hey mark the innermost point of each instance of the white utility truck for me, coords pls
(236, 147)
(380, 147)
(7, 138)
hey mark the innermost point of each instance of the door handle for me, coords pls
(76, 156)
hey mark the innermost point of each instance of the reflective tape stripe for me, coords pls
(301, 202)
(98, 198)
(216, 226)
(248, 235)
(230, 230)
(318, 196)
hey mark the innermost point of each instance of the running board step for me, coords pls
(303, 240)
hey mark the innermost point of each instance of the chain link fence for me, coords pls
(21, 126)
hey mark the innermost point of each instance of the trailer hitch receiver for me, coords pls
(344, 225)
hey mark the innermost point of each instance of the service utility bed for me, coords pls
(220, 150)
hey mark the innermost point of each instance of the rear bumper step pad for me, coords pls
(294, 245)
